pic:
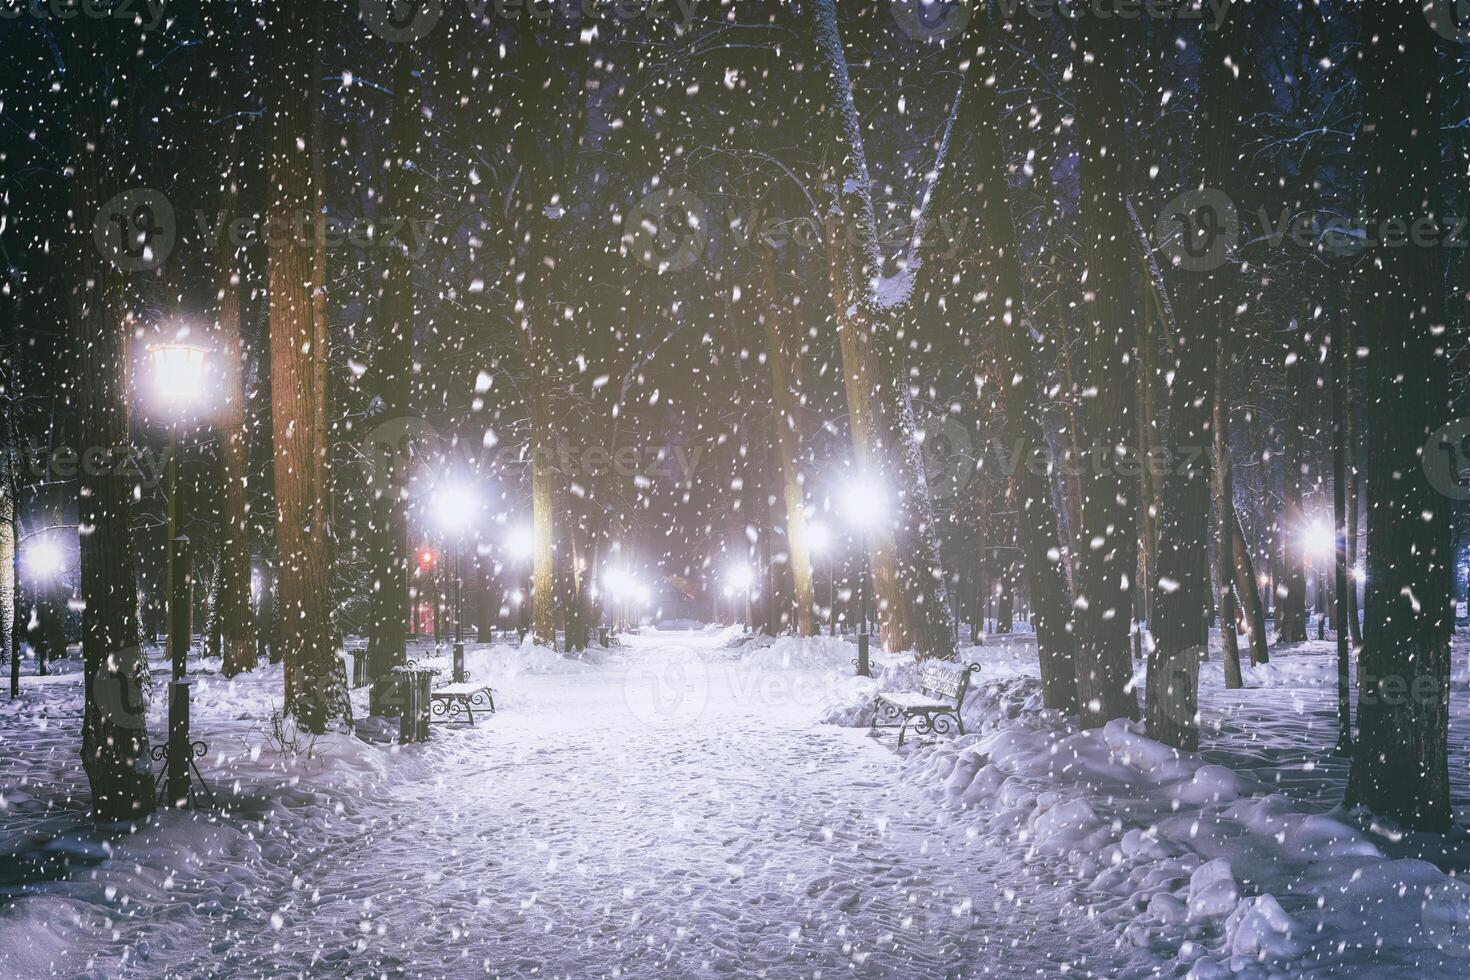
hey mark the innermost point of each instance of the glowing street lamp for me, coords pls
(864, 506)
(739, 578)
(455, 506)
(44, 560)
(821, 542)
(1320, 541)
(179, 372)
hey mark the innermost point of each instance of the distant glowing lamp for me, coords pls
(522, 542)
(44, 559)
(1320, 539)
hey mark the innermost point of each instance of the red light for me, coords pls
(427, 557)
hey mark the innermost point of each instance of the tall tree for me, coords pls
(907, 579)
(314, 694)
(114, 740)
(1107, 538)
(232, 608)
(972, 183)
(1400, 765)
(787, 444)
(392, 369)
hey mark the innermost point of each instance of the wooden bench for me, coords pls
(936, 705)
(449, 701)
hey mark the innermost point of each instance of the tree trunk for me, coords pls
(1291, 606)
(232, 605)
(907, 579)
(389, 474)
(1108, 537)
(787, 445)
(1247, 592)
(314, 694)
(1400, 767)
(114, 738)
(1225, 563)
(972, 183)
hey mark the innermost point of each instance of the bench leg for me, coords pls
(469, 712)
(960, 722)
(902, 729)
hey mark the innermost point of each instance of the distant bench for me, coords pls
(935, 707)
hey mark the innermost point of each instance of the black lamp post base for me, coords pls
(175, 783)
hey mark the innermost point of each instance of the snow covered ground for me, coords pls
(674, 808)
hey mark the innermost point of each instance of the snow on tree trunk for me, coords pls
(1400, 766)
(787, 446)
(1107, 538)
(1247, 592)
(972, 182)
(908, 581)
(1291, 606)
(314, 694)
(114, 738)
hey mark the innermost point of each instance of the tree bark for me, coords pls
(787, 445)
(1108, 538)
(907, 578)
(1291, 606)
(972, 183)
(1225, 522)
(114, 738)
(314, 694)
(389, 475)
(1400, 766)
(1247, 592)
(232, 607)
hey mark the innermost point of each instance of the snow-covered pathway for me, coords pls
(673, 814)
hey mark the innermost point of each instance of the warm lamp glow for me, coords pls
(522, 542)
(863, 502)
(739, 577)
(455, 505)
(179, 375)
(1319, 538)
(44, 559)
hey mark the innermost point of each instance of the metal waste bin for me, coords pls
(414, 684)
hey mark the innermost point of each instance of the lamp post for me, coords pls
(179, 385)
(822, 545)
(740, 578)
(455, 505)
(864, 504)
(1321, 541)
(44, 562)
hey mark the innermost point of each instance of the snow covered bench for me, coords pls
(451, 699)
(935, 707)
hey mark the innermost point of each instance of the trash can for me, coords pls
(360, 667)
(414, 684)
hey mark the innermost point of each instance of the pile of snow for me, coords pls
(1180, 857)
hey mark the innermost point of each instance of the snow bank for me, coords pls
(1182, 857)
